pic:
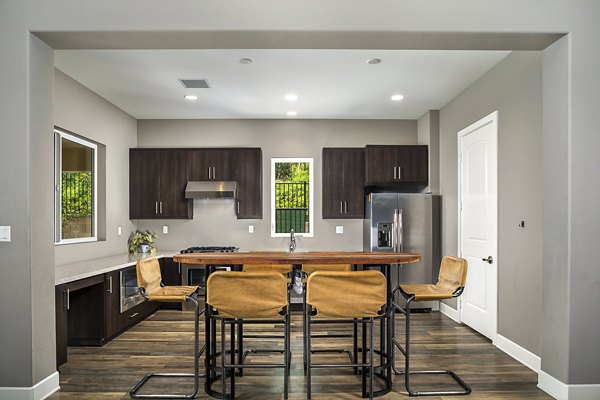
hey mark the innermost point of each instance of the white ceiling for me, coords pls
(329, 83)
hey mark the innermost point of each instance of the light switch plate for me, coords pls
(165, 229)
(250, 228)
(339, 229)
(4, 233)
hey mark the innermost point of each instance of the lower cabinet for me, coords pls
(171, 276)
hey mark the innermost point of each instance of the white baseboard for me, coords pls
(562, 391)
(41, 390)
(519, 353)
(449, 312)
(435, 305)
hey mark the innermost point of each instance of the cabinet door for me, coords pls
(112, 306)
(60, 293)
(173, 178)
(144, 192)
(333, 183)
(354, 183)
(212, 165)
(412, 162)
(249, 183)
(380, 165)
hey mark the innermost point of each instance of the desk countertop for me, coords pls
(84, 269)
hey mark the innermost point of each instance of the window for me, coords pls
(292, 200)
(75, 180)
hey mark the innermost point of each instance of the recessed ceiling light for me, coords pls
(291, 97)
(292, 113)
(373, 61)
(191, 97)
(245, 61)
(397, 97)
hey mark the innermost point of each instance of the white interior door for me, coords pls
(478, 226)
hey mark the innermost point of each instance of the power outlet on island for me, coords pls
(339, 229)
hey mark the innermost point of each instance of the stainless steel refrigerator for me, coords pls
(410, 223)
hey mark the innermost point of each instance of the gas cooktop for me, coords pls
(210, 249)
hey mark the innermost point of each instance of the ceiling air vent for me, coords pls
(194, 83)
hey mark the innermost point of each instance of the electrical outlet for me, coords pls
(339, 229)
(165, 229)
(250, 228)
(4, 233)
(119, 230)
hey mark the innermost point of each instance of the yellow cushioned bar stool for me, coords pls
(451, 283)
(265, 301)
(307, 270)
(349, 296)
(150, 286)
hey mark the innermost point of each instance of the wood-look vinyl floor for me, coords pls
(164, 343)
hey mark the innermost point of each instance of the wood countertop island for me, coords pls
(298, 258)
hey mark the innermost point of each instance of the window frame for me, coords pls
(60, 134)
(311, 197)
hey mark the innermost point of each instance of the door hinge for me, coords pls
(461, 206)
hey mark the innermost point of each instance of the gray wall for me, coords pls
(428, 131)
(388, 24)
(79, 110)
(214, 222)
(514, 88)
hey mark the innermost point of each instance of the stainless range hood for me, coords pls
(210, 190)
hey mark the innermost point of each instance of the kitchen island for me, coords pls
(382, 260)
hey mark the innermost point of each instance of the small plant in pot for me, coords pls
(141, 242)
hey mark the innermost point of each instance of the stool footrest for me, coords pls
(134, 395)
(413, 393)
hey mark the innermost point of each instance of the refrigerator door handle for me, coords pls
(394, 232)
(400, 232)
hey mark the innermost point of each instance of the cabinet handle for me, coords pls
(133, 315)
(399, 173)
(209, 177)
(214, 174)
(346, 207)
(109, 285)
(179, 268)
(68, 302)
(395, 173)
(156, 207)
(341, 207)
(238, 207)
(161, 207)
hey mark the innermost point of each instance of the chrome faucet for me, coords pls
(292, 241)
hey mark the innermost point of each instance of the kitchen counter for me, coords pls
(84, 269)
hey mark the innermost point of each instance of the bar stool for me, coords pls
(151, 287)
(350, 296)
(451, 283)
(265, 301)
(307, 270)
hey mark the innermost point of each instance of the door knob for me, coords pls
(489, 260)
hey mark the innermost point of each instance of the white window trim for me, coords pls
(311, 197)
(58, 195)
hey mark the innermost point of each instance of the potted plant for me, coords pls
(141, 241)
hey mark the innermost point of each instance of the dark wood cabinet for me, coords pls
(343, 183)
(393, 165)
(212, 164)
(112, 307)
(157, 181)
(249, 183)
(60, 299)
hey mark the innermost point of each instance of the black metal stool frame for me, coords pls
(197, 353)
(406, 352)
(229, 369)
(364, 364)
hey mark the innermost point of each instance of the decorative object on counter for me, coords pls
(141, 242)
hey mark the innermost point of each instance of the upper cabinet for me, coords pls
(212, 164)
(343, 183)
(249, 183)
(158, 177)
(392, 165)
(157, 180)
